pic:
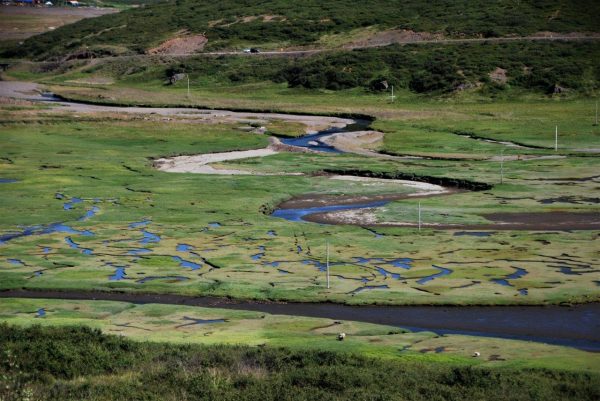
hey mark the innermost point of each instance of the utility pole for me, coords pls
(327, 264)
(419, 216)
(502, 166)
(556, 139)
(188, 86)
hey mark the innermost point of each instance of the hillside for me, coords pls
(281, 23)
(492, 69)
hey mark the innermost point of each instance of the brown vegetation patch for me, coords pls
(389, 37)
(181, 45)
(498, 75)
(246, 19)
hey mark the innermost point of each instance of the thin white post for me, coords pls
(419, 216)
(188, 86)
(556, 139)
(392, 97)
(502, 167)
(596, 113)
(327, 264)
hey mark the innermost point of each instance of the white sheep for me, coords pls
(341, 336)
(476, 354)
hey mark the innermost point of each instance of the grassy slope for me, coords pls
(301, 23)
(424, 68)
(78, 363)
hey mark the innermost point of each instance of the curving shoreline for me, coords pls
(576, 326)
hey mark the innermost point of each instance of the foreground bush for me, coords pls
(84, 364)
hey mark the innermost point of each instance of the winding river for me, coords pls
(576, 326)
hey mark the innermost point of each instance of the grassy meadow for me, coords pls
(495, 101)
(209, 235)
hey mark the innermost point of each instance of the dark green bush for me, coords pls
(80, 363)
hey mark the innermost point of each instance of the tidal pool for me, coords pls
(194, 321)
(119, 274)
(187, 263)
(149, 237)
(40, 230)
(474, 233)
(140, 224)
(260, 254)
(184, 248)
(90, 213)
(519, 272)
(369, 287)
(386, 273)
(443, 272)
(75, 245)
(169, 278)
(73, 201)
(138, 251)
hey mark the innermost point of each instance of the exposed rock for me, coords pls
(381, 85)
(498, 75)
(556, 89)
(174, 78)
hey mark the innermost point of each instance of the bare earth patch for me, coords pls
(498, 75)
(384, 38)
(187, 44)
(200, 163)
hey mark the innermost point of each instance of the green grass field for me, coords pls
(248, 254)
(87, 207)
